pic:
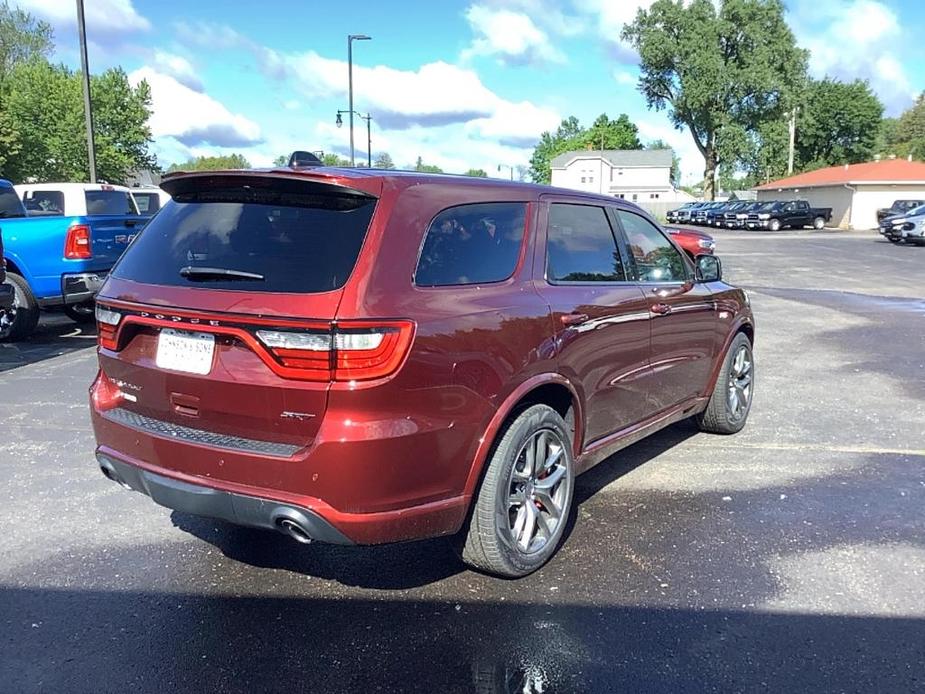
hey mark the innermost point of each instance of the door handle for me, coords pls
(573, 318)
(661, 309)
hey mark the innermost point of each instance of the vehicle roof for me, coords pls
(70, 186)
(403, 179)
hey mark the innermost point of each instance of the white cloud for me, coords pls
(179, 68)
(512, 37)
(191, 117)
(106, 17)
(692, 163)
(856, 39)
(625, 78)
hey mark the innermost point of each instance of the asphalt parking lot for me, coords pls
(789, 557)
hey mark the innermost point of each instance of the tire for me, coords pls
(81, 313)
(774, 225)
(503, 538)
(26, 309)
(818, 223)
(724, 415)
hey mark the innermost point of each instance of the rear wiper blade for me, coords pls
(205, 274)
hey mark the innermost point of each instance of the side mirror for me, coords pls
(708, 268)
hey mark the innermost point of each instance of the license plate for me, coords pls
(182, 351)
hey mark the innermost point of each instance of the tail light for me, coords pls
(350, 351)
(107, 323)
(77, 242)
(104, 394)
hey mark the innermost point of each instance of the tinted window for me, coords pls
(656, 259)
(580, 246)
(296, 237)
(472, 244)
(109, 202)
(50, 202)
(10, 204)
(148, 203)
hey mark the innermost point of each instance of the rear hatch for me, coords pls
(113, 220)
(218, 318)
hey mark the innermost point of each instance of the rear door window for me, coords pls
(580, 246)
(472, 244)
(109, 202)
(275, 235)
(147, 203)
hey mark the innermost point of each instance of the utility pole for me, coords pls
(88, 112)
(600, 178)
(369, 141)
(350, 39)
(793, 138)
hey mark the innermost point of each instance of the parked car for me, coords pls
(701, 214)
(672, 215)
(737, 218)
(899, 207)
(361, 357)
(904, 227)
(149, 199)
(685, 213)
(692, 241)
(59, 259)
(716, 217)
(791, 213)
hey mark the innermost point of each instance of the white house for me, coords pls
(640, 175)
(854, 191)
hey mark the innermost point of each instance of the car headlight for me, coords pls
(707, 243)
(897, 222)
(764, 216)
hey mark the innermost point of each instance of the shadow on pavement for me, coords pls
(57, 640)
(55, 335)
(401, 565)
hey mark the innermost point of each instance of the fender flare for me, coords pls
(504, 411)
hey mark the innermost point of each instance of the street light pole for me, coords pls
(369, 137)
(88, 113)
(350, 39)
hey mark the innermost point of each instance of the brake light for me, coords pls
(350, 351)
(104, 394)
(107, 323)
(77, 242)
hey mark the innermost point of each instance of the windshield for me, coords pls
(916, 211)
(285, 238)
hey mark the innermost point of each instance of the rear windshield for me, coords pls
(291, 237)
(109, 202)
(10, 204)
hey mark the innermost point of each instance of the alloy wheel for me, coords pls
(538, 491)
(739, 395)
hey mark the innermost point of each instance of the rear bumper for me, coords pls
(200, 500)
(76, 288)
(261, 508)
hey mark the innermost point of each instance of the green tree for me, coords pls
(570, 135)
(281, 160)
(383, 161)
(331, 159)
(426, 168)
(22, 38)
(43, 103)
(214, 163)
(477, 173)
(908, 132)
(720, 73)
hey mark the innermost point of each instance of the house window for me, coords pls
(653, 196)
(590, 179)
(583, 179)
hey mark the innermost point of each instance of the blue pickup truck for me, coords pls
(60, 240)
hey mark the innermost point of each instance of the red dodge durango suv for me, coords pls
(359, 356)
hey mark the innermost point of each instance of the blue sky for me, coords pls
(461, 84)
